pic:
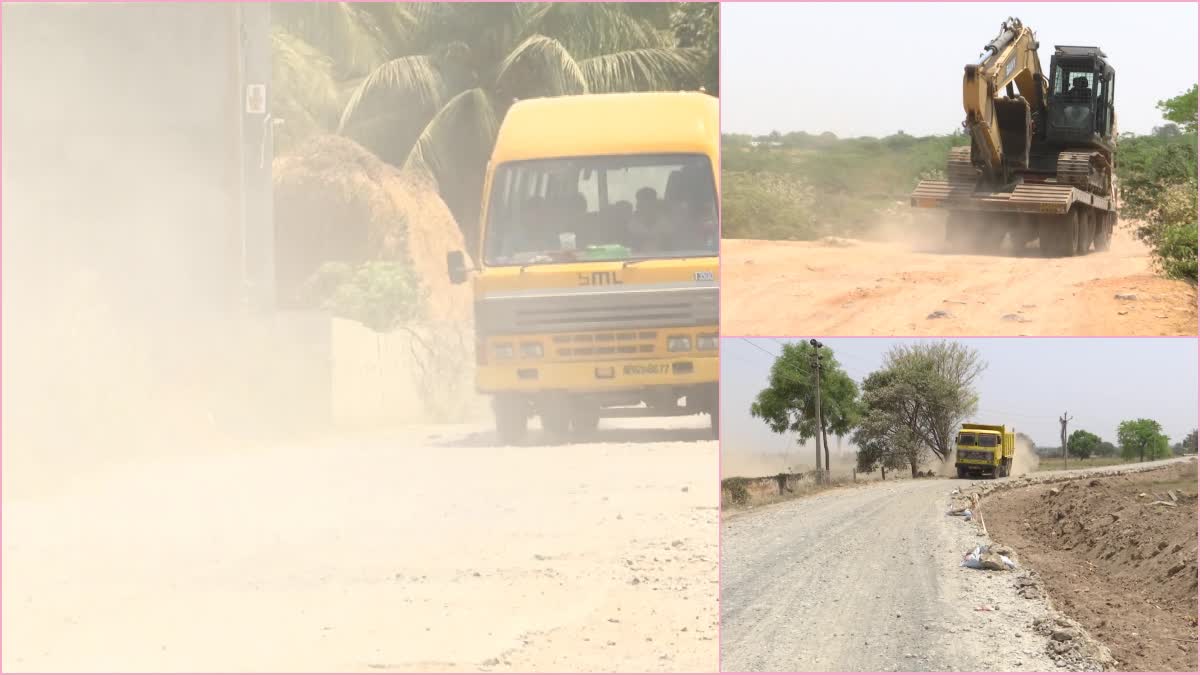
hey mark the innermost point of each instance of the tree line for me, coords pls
(907, 413)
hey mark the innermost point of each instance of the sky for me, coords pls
(1028, 383)
(871, 69)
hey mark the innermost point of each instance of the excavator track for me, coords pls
(959, 169)
(1086, 170)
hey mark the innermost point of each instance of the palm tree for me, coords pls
(425, 86)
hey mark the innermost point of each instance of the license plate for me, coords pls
(647, 369)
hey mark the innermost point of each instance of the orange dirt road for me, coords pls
(838, 287)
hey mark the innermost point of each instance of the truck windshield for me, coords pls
(966, 439)
(621, 207)
(988, 441)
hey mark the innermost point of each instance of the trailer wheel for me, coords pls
(1104, 231)
(1087, 231)
(1057, 234)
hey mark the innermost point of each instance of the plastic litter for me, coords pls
(983, 559)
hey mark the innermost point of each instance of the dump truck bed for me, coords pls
(1048, 198)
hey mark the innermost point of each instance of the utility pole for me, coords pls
(820, 421)
(1063, 434)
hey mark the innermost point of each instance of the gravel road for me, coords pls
(430, 550)
(868, 579)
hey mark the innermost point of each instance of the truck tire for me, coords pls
(555, 422)
(1104, 231)
(1087, 231)
(1058, 235)
(585, 422)
(962, 471)
(512, 418)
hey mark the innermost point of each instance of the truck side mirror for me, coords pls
(456, 266)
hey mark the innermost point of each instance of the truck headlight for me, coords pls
(679, 343)
(504, 351)
(531, 350)
(707, 343)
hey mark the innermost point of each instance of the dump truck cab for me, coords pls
(1079, 105)
(596, 284)
(984, 449)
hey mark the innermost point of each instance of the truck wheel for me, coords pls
(512, 418)
(555, 422)
(1087, 231)
(1057, 235)
(962, 471)
(585, 422)
(1104, 231)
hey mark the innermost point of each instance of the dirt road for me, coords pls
(426, 551)
(849, 287)
(868, 579)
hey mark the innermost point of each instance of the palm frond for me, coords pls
(304, 91)
(643, 70)
(349, 35)
(453, 150)
(589, 29)
(539, 66)
(410, 80)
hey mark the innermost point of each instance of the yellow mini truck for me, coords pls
(596, 280)
(984, 450)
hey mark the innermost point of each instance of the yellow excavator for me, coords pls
(1040, 163)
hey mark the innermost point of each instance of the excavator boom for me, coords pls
(1002, 128)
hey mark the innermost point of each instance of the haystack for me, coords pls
(335, 201)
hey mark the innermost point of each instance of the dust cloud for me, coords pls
(1025, 458)
(125, 333)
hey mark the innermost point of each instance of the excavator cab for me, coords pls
(1079, 108)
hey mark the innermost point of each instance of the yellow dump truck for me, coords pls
(596, 280)
(984, 450)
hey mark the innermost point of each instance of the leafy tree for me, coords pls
(1082, 444)
(1187, 446)
(891, 448)
(916, 402)
(1181, 109)
(789, 401)
(1106, 449)
(883, 437)
(1143, 439)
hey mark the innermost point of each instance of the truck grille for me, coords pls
(608, 317)
(593, 344)
(975, 455)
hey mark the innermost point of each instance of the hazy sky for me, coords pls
(870, 69)
(1028, 383)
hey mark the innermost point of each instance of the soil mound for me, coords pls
(1117, 554)
(335, 201)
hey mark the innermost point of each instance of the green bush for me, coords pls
(381, 295)
(1175, 251)
(805, 186)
